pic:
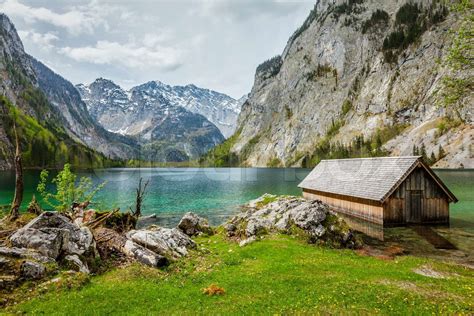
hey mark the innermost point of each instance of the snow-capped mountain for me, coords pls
(105, 100)
(167, 132)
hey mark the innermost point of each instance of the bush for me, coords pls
(68, 189)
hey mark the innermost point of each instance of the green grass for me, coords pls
(280, 274)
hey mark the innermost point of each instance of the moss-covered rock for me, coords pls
(311, 220)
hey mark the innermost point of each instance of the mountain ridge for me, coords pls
(166, 131)
(220, 109)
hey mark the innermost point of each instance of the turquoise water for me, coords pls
(216, 193)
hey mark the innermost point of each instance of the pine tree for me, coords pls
(423, 152)
(432, 158)
(441, 153)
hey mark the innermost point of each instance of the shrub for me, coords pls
(68, 189)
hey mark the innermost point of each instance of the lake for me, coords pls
(216, 193)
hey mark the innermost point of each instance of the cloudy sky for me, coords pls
(215, 44)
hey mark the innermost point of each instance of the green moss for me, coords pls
(267, 199)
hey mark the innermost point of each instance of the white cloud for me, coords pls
(43, 41)
(78, 19)
(134, 55)
(241, 10)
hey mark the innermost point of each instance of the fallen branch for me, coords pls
(96, 222)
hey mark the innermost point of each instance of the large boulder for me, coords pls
(313, 219)
(169, 242)
(192, 225)
(53, 234)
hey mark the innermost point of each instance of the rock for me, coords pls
(51, 234)
(145, 221)
(143, 255)
(22, 253)
(47, 241)
(247, 241)
(32, 270)
(164, 241)
(192, 225)
(285, 214)
(230, 229)
(74, 261)
(258, 225)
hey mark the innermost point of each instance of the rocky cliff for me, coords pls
(363, 78)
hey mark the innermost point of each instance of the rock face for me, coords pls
(291, 215)
(166, 130)
(109, 104)
(169, 242)
(342, 76)
(192, 225)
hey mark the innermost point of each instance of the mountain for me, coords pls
(105, 98)
(43, 132)
(167, 131)
(53, 123)
(363, 78)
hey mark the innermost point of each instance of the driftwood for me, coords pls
(15, 209)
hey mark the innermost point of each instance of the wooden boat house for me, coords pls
(389, 190)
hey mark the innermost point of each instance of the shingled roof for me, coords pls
(368, 178)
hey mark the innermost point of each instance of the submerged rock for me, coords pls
(290, 215)
(145, 221)
(192, 225)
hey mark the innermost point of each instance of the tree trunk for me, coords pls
(15, 210)
(141, 192)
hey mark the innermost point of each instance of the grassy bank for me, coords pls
(280, 274)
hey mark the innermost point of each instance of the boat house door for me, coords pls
(415, 207)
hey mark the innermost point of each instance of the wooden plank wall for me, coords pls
(435, 205)
(361, 208)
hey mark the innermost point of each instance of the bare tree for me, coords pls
(18, 198)
(141, 192)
